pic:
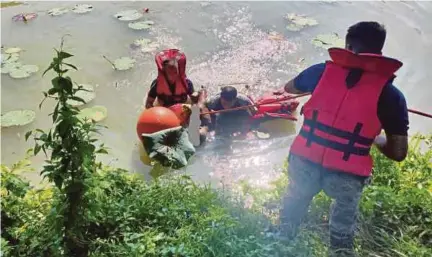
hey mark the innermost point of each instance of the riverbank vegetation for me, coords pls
(94, 210)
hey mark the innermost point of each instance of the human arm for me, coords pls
(305, 82)
(393, 114)
(151, 95)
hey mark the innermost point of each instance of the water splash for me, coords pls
(248, 55)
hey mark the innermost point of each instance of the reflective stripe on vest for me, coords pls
(352, 137)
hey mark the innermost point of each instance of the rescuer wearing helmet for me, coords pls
(352, 100)
(171, 85)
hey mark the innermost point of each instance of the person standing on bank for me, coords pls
(352, 100)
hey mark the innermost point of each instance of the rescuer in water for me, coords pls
(353, 99)
(171, 85)
(228, 122)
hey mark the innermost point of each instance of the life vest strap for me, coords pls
(347, 149)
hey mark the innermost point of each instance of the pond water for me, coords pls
(225, 42)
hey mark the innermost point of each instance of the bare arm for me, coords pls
(151, 95)
(149, 102)
(394, 147)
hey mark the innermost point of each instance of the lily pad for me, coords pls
(327, 41)
(17, 118)
(19, 73)
(82, 8)
(30, 68)
(58, 11)
(10, 66)
(96, 113)
(13, 50)
(9, 58)
(298, 22)
(142, 42)
(24, 16)
(129, 15)
(124, 63)
(87, 96)
(140, 25)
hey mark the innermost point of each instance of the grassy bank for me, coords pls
(9, 4)
(176, 217)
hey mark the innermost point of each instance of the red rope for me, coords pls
(254, 105)
(294, 97)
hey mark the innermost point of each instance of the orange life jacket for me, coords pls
(340, 120)
(176, 93)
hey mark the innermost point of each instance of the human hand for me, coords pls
(279, 92)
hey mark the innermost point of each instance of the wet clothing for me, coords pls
(167, 100)
(228, 121)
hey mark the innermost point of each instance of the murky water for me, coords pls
(225, 42)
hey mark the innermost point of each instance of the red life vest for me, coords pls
(341, 121)
(178, 93)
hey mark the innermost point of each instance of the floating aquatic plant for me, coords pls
(13, 50)
(298, 22)
(146, 45)
(140, 25)
(96, 113)
(129, 15)
(9, 58)
(123, 63)
(82, 8)
(88, 94)
(58, 11)
(17, 118)
(24, 17)
(327, 41)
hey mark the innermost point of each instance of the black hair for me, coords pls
(228, 93)
(366, 37)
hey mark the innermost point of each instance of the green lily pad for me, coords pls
(169, 147)
(82, 8)
(129, 15)
(124, 63)
(87, 96)
(96, 113)
(327, 41)
(139, 25)
(298, 22)
(142, 42)
(9, 66)
(9, 58)
(13, 50)
(30, 68)
(17, 118)
(19, 73)
(58, 11)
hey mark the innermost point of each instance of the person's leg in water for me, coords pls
(303, 184)
(346, 190)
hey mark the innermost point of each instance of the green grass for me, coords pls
(174, 216)
(9, 4)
